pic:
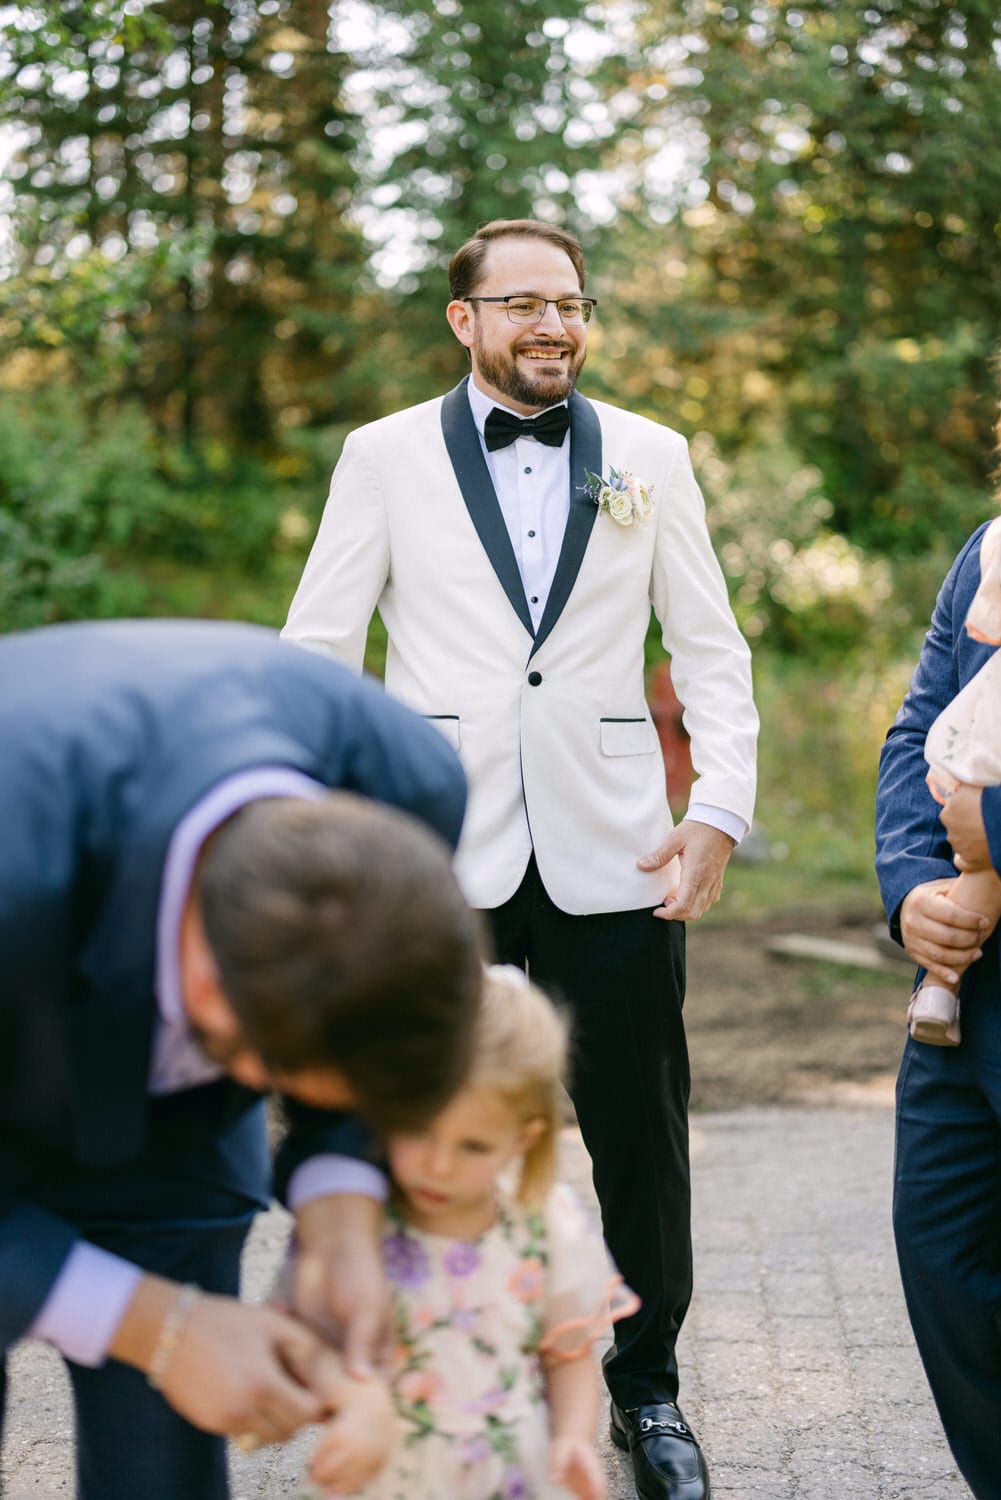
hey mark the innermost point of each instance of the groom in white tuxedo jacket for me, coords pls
(516, 608)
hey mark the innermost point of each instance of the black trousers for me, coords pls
(622, 974)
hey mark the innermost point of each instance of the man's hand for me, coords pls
(233, 1369)
(340, 1289)
(963, 819)
(702, 853)
(939, 935)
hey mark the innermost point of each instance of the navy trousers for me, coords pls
(182, 1211)
(947, 1223)
(622, 975)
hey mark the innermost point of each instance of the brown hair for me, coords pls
(520, 1053)
(465, 269)
(342, 941)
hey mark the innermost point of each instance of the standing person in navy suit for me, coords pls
(190, 917)
(947, 1186)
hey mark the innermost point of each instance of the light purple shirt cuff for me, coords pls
(718, 817)
(321, 1175)
(87, 1302)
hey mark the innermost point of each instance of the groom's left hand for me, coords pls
(703, 853)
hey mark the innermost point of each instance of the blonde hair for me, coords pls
(520, 1046)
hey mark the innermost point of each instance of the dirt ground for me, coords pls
(766, 1029)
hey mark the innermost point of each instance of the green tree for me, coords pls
(828, 201)
(181, 199)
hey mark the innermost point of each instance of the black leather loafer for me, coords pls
(667, 1460)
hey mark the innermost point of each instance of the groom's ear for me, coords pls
(460, 320)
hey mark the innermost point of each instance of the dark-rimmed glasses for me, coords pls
(572, 310)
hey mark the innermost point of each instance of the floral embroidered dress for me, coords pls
(471, 1318)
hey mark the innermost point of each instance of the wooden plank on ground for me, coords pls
(831, 951)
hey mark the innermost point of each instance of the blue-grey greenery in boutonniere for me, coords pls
(624, 497)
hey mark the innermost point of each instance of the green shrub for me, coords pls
(73, 487)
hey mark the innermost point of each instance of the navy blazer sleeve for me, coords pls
(911, 844)
(43, 852)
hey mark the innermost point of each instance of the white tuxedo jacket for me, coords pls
(552, 725)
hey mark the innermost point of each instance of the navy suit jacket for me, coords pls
(911, 843)
(109, 734)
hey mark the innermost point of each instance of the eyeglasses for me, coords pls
(572, 310)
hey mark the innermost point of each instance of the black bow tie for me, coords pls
(502, 427)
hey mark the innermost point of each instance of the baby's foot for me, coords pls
(933, 1015)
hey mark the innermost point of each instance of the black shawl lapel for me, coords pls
(463, 444)
(585, 458)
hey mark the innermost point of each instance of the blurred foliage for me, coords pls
(98, 517)
(821, 731)
(72, 495)
(811, 264)
(202, 146)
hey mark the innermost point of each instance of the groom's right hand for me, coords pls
(939, 935)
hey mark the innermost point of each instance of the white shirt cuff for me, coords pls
(321, 1175)
(718, 817)
(86, 1303)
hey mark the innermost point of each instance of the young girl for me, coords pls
(500, 1285)
(964, 748)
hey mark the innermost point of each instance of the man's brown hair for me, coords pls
(465, 269)
(342, 941)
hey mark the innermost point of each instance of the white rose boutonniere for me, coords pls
(624, 497)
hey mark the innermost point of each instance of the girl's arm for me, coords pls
(360, 1436)
(572, 1391)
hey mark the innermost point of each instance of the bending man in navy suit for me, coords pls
(189, 918)
(947, 1185)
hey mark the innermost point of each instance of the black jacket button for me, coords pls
(534, 678)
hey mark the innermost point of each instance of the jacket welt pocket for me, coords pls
(447, 726)
(627, 737)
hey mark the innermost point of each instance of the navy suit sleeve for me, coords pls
(42, 852)
(911, 844)
(316, 1132)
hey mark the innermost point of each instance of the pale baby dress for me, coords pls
(964, 743)
(471, 1318)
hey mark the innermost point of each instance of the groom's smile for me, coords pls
(523, 366)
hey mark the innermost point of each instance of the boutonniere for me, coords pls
(625, 498)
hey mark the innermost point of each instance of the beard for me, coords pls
(542, 388)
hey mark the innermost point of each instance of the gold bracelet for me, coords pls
(169, 1336)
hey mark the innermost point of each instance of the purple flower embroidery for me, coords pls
(514, 1485)
(405, 1260)
(462, 1258)
(490, 1401)
(475, 1450)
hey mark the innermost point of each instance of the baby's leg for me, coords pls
(933, 1014)
(979, 890)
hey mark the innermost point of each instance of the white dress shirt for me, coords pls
(532, 484)
(92, 1292)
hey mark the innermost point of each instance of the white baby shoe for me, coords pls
(933, 1016)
